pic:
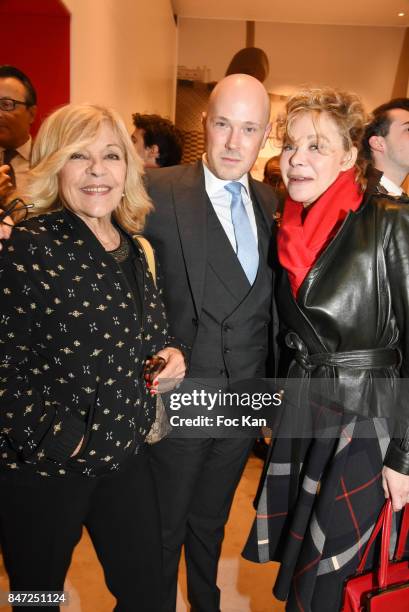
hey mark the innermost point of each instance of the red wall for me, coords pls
(35, 37)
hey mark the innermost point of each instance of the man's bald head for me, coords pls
(240, 89)
(236, 125)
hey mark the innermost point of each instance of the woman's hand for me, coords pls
(396, 486)
(172, 373)
(78, 448)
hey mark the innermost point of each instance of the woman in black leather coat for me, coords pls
(343, 299)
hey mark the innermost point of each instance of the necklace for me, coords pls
(121, 253)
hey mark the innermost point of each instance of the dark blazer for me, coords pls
(373, 177)
(178, 231)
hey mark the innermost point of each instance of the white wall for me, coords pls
(123, 54)
(210, 42)
(361, 59)
(356, 58)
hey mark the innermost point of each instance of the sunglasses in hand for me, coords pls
(16, 205)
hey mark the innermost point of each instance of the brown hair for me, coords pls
(69, 128)
(345, 108)
(381, 122)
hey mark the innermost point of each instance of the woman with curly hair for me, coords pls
(343, 300)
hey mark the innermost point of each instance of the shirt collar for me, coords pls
(390, 186)
(214, 185)
(25, 150)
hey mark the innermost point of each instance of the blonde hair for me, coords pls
(73, 127)
(344, 108)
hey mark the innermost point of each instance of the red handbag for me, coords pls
(387, 588)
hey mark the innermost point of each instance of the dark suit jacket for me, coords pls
(177, 230)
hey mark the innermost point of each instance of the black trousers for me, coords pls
(41, 521)
(196, 480)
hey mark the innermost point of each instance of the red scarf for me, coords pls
(301, 241)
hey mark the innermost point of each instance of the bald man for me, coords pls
(212, 229)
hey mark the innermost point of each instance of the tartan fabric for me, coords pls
(320, 537)
(324, 492)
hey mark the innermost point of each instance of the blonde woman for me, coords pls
(81, 312)
(343, 298)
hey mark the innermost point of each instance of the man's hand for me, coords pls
(5, 230)
(395, 486)
(6, 186)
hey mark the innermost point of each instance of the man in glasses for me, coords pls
(18, 101)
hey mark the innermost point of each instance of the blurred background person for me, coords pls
(82, 314)
(386, 146)
(18, 106)
(272, 176)
(157, 141)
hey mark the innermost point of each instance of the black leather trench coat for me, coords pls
(350, 321)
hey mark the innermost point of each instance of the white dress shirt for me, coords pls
(390, 186)
(221, 202)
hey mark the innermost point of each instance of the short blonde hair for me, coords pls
(344, 108)
(73, 127)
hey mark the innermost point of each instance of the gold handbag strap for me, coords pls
(149, 255)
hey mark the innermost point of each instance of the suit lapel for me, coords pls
(191, 207)
(267, 206)
(223, 259)
(190, 203)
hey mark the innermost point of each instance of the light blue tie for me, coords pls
(246, 244)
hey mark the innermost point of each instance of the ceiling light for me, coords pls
(401, 14)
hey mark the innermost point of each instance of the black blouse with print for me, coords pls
(72, 348)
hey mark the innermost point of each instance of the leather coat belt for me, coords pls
(362, 360)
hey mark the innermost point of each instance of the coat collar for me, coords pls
(81, 234)
(224, 261)
(268, 204)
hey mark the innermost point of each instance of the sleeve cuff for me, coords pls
(61, 447)
(397, 459)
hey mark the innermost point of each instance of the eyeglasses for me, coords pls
(8, 104)
(16, 205)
